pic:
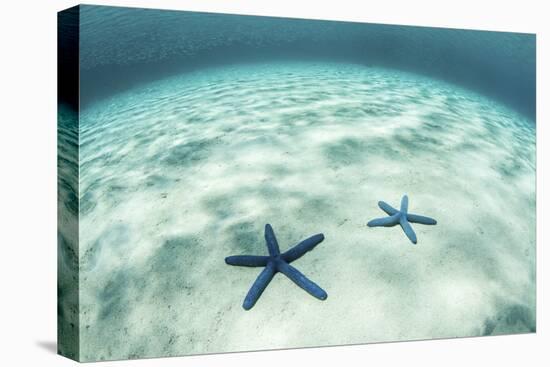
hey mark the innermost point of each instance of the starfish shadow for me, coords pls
(277, 262)
(401, 217)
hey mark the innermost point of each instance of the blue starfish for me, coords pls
(276, 262)
(401, 217)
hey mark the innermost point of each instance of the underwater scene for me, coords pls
(237, 183)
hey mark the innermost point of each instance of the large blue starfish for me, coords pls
(276, 262)
(401, 217)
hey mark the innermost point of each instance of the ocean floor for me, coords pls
(178, 174)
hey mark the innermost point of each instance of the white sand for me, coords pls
(181, 173)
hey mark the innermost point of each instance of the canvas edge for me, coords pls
(68, 305)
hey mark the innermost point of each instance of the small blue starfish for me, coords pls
(276, 262)
(401, 217)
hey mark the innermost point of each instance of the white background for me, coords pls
(28, 182)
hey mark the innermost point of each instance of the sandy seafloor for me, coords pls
(178, 174)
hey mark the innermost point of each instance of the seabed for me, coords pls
(178, 174)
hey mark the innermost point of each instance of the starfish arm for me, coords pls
(384, 222)
(271, 240)
(247, 260)
(259, 286)
(300, 279)
(300, 249)
(415, 218)
(390, 210)
(404, 204)
(408, 229)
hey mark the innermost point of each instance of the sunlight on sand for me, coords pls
(180, 173)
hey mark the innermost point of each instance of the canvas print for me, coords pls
(238, 183)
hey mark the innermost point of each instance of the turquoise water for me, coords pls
(123, 47)
(180, 168)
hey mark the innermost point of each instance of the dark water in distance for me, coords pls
(122, 47)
